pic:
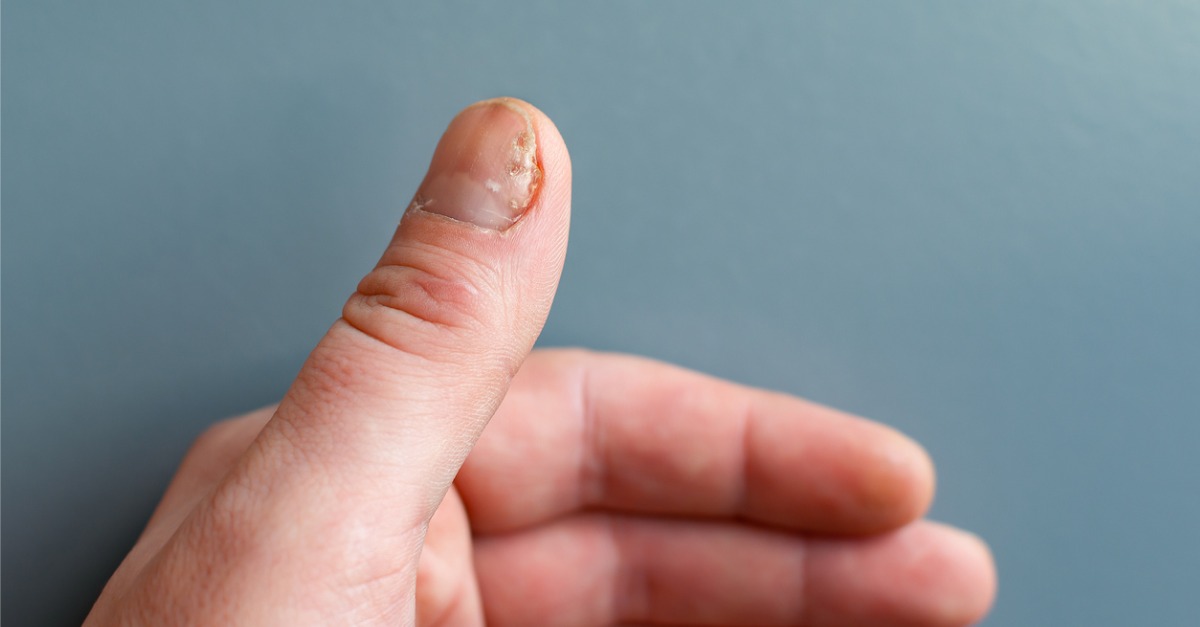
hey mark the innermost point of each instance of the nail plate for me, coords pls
(485, 168)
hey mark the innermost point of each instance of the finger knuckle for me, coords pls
(423, 296)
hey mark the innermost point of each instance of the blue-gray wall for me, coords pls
(979, 222)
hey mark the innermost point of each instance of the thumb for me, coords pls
(394, 396)
(368, 439)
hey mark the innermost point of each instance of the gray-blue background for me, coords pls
(979, 222)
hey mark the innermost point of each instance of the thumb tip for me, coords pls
(493, 162)
(483, 242)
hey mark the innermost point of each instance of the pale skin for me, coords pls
(606, 489)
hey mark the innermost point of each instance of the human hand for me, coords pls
(608, 489)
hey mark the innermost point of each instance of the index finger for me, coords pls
(583, 430)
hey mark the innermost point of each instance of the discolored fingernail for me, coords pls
(485, 169)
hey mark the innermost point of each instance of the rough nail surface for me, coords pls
(485, 168)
